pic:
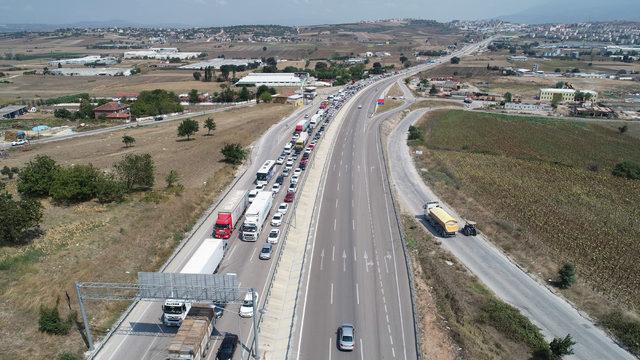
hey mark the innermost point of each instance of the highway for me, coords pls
(552, 314)
(142, 336)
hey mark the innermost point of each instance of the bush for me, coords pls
(455, 60)
(560, 347)
(50, 321)
(75, 183)
(625, 329)
(18, 218)
(68, 356)
(36, 177)
(234, 153)
(627, 169)
(566, 276)
(415, 133)
(62, 114)
(187, 128)
(136, 171)
(110, 190)
(510, 322)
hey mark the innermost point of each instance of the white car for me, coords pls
(297, 172)
(275, 189)
(274, 236)
(283, 208)
(246, 310)
(277, 218)
(19, 142)
(285, 172)
(289, 165)
(295, 136)
(260, 187)
(252, 195)
(307, 150)
(295, 178)
(280, 160)
(359, 106)
(293, 187)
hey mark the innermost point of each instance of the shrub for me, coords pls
(234, 153)
(415, 133)
(128, 140)
(187, 128)
(50, 321)
(109, 189)
(136, 171)
(172, 179)
(36, 177)
(561, 346)
(62, 114)
(510, 322)
(68, 356)
(75, 183)
(624, 328)
(627, 169)
(567, 276)
(18, 218)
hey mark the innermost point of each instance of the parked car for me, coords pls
(290, 197)
(276, 220)
(265, 252)
(260, 187)
(19, 142)
(228, 347)
(346, 337)
(283, 208)
(274, 236)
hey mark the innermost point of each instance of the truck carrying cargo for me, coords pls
(440, 219)
(301, 142)
(256, 216)
(315, 119)
(205, 260)
(229, 214)
(192, 341)
(302, 126)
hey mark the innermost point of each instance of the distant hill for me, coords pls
(572, 11)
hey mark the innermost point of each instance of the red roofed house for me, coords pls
(113, 111)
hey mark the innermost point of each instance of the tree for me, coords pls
(136, 171)
(234, 153)
(623, 129)
(455, 60)
(561, 346)
(18, 218)
(187, 128)
(68, 356)
(433, 90)
(271, 61)
(560, 85)
(627, 169)
(197, 75)
(321, 66)
(265, 97)
(62, 114)
(193, 96)
(74, 183)
(224, 70)
(36, 177)
(244, 94)
(110, 189)
(264, 48)
(9, 171)
(582, 96)
(172, 179)
(156, 102)
(566, 276)
(508, 97)
(128, 140)
(556, 100)
(414, 133)
(403, 59)
(210, 125)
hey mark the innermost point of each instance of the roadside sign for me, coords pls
(380, 102)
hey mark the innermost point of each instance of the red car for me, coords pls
(290, 197)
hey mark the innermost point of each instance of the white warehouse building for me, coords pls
(273, 79)
(91, 59)
(161, 54)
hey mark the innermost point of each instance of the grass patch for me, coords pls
(389, 104)
(510, 322)
(625, 328)
(13, 263)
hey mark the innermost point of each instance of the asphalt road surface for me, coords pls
(551, 313)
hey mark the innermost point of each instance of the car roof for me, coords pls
(347, 329)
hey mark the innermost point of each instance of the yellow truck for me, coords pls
(444, 223)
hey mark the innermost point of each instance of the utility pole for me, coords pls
(84, 318)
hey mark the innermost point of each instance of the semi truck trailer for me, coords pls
(444, 223)
(302, 126)
(205, 260)
(192, 341)
(230, 214)
(257, 215)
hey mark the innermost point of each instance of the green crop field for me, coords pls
(548, 184)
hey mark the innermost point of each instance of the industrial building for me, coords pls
(567, 94)
(273, 79)
(160, 54)
(88, 71)
(218, 62)
(12, 111)
(91, 59)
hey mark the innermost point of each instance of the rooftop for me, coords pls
(111, 106)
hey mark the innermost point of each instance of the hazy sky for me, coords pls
(225, 12)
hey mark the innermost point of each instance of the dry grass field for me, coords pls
(543, 190)
(94, 242)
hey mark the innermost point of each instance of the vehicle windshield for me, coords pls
(249, 228)
(247, 303)
(173, 309)
(273, 234)
(222, 226)
(261, 176)
(347, 338)
(265, 250)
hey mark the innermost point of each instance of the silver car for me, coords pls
(346, 337)
(265, 252)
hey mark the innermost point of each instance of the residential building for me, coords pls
(12, 111)
(548, 94)
(113, 111)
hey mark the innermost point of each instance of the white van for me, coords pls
(246, 310)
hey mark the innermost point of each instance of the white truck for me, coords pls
(205, 260)
(256, 216)
(315, 119)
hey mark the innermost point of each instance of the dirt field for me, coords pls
(544, 192)
(93, 242)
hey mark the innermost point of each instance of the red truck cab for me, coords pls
(223, 226)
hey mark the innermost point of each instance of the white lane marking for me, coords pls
(393, 352)
(322, 259)
(386, 264)
(361, 350)
(340, 172)
(233, 248)
(335, 222)
(333, 253)
(344, 261)
(353, 224)
(252, 253)
(353, 203)
(330, 347)
(338, 186)
(336, 203)
(127, 337)
(331, 293)
(391, 339)
(357, 294)
(355, 258)
(385, 308)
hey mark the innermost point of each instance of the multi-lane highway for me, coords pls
(142, 336)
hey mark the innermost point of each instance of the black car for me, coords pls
(280, 179)
(228, 347)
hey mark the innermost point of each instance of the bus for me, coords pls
(266, 172)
